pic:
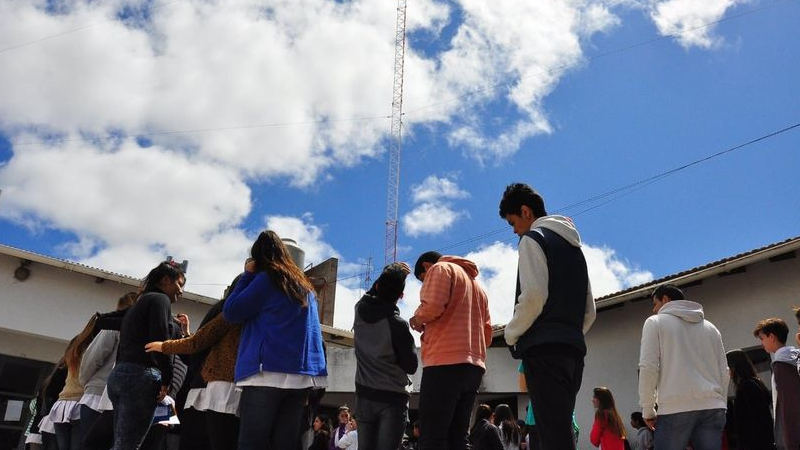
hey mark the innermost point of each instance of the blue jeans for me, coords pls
(270, 418)
(702, 428)
(68, 435)
(380, 424)
(133, 390)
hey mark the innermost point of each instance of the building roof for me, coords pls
(698, 273)
(342, 337)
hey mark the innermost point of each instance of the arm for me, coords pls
(403, 344)
(347, 440)
(591, 309)
(97, 354)
(533, 280)
(597, 432)
(787, 383)
(649, 367)
(434, 295)
(205, 337)
(158, 319)
(247, 298)
(722, 364)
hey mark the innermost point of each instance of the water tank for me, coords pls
(297, 253)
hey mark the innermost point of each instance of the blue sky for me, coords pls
(595, 119)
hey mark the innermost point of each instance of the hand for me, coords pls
(416, 325)
(162, 393)
(184, 321)
(250, 265)
(797, 338)
(153, 347)
(651, 423)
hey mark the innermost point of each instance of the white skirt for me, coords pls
(46, 426)
(217, 396)
(64, 411)
(33, 438)
(105, 403)
(92, 401)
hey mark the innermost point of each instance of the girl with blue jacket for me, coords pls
(280, 356)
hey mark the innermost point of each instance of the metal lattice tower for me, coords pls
(396, 135)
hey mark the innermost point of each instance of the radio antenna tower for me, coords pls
(396, 135)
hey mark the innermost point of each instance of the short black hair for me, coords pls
(638, 419)
(670, 290)
(519, 194)
(391, 282)
(427, 257)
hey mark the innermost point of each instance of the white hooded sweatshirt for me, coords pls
(534, 279)
(682, 365)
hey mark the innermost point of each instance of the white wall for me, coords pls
(40, 315)
(733, 303)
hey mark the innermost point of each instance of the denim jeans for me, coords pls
(702, 428)
(88, 416)
(133, 390)
(380, 424)
(447, 394)
(270, 418)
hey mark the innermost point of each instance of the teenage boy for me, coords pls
(553, 309)
(453, 317)
(385, 356)
(785, 381)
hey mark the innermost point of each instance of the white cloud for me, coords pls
(689, 20)
(434, 188)
(433, 212)
(307, 235)
(609, 273)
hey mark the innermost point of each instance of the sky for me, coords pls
(132, 130)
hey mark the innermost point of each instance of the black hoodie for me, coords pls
(385, 350)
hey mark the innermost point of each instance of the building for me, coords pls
(43, 310)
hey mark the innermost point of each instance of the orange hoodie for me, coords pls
(455, 311)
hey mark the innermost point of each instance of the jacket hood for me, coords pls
(684, 309)
(787, 354)
(467, 265)
(561, 225)
(373, 309)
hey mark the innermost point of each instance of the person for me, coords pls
(554, 308)
(643, 438)
(42, 433)
(752, 407)
(785, 381)
(385, 356)
(510, 432)
(141, 380)
(682, 368)
(453, 317)
(322, 433)
(608, 431)
(350, 439)
(65, 412)
(280, 356)
(484, 434)
(219, 400)
(96, 365)
(339, 431)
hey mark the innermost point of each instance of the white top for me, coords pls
(217, 396)
(349, 440)
(64, 411)
(93, 401)
(682, 365)
(282, 380)
(46, 426)
(105, 402)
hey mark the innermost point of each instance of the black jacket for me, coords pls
(485, 436)
(146, 321)
(752, 411)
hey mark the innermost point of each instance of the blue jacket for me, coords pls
(278, 334)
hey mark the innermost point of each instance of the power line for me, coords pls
(605, 54)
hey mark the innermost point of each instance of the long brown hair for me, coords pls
(78, 344)
(271, 256)
(607, 411)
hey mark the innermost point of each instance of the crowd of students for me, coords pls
(253, 374)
